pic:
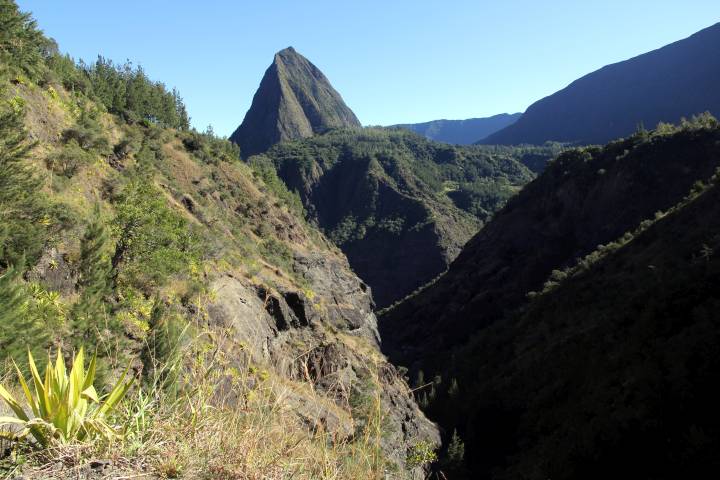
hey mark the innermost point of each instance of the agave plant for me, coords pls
(63, 407)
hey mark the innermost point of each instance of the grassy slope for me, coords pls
(246, 230)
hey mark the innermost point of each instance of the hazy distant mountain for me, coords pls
(680, 79)
(462, 132)
(295, 100)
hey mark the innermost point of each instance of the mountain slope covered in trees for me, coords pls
(574, 335)
(610, 373)
(678, 80)
(295, 100)
(554, 331)
(398, 205)
(462, 132)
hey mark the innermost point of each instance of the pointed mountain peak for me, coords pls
(295, 100)
(286, 52)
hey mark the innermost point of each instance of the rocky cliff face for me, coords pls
(326, 336)
(295, 100)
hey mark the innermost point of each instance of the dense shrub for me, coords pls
(209, 148)
(88, 133)
(68, 160)
(154, 242)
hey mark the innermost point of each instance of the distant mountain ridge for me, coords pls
(462, 132)
(294, 100)
(678, 80)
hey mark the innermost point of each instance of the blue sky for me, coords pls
(393, 61)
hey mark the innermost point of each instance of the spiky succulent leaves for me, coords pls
(22, 417)
(116, 395)
(65, 406)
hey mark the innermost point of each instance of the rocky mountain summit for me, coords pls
(295, 100)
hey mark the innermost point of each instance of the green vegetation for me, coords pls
(22, 45)
(534, 157)
(154, 242)
(263, 169)
(95, 281)
(18, 314)
(123, 90)
(64, 405)
(120, 89)
(68, 160)
(88, 133)
(209, 148)
(698, 123)
(421, 454)
(375, 191)
(25, 222)
(481, 180)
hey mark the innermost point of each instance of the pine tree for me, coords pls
(22, 44)
(454, 461)
(20, 331)
(94, 282)
(23, 209)
(94, 326)
(456, 449)
(12, 303)
(454, 388)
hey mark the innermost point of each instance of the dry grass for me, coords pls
(230, 421)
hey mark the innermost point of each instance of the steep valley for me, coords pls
(559, 328)
(399, 206)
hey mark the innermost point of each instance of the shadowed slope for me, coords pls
(678, 80)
